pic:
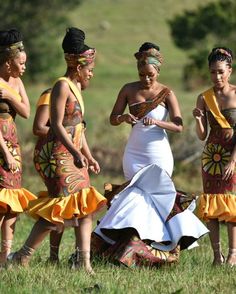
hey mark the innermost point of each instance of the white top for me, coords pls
(147, 145)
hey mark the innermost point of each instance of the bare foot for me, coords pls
(218, 260)
(231, 259)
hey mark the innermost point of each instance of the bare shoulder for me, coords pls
(162, 86)
(130, 88)
(168, 89)
(170, 94)
(200, 97)
(61, 86)
(17, 85)
(233, 89)
(16, 82)
(201, 102)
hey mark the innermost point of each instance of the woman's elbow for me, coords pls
(201, 137)
(112, 122)
(25, 113)
(36, 128)
(36, 131)
(179, 129)
(178, 124)
(55, 126)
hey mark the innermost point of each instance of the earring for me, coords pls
(8, 68)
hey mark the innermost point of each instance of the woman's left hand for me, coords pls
(229, 170)
(148, 121)
(80, 160)
(93, 165)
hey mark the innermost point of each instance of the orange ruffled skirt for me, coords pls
(76, 205)
(17, 199)
(217, 206)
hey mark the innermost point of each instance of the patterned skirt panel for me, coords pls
(8, 179)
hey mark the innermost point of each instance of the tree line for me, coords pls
(197, 31)
(39, 21)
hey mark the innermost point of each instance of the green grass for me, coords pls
(193, 274)
(117, 28)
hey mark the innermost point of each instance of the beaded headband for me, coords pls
(12, 50)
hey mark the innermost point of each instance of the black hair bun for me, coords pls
(9, 37)
(148, 45)
(73, 42)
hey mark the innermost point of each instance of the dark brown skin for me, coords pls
(10, 72)
(146, 88)
(226, 98)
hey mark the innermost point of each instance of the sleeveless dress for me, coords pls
(69, 194)
(218, 200)
(149, 205)
(13, 198)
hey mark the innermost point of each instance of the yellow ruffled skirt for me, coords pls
(76, 205)
(217, 206)
(17, 199)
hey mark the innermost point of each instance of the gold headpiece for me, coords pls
(12, 50)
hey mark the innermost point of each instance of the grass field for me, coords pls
(193, 274)
(117, 28)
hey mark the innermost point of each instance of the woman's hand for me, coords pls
(198, 113)
(128, 118)
(12, 164)
(80, 160)
(148, 121)
(228, 170)
(93, 165)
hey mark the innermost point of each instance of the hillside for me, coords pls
(117, 28)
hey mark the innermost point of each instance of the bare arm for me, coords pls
(21, 107)
(175, 124)
(230, 166)
(85, 148)
(93, 164)
(60, 93)
(201, 119)
(10, 161)
(117, 115)
(41, 119)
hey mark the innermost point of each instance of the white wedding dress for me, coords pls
(147, 201)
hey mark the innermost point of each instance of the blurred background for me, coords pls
(185, 30)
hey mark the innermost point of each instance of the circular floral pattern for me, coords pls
(46, 163)
(214, 158)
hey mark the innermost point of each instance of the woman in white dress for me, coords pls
(147, 221)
